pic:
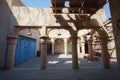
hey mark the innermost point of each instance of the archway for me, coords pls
(27, 46)
(59, 39)
(103, 37)
(61, 48)
(12, 43)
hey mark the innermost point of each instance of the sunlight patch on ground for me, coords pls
(64, 56)
(53, 62)
(67, 62)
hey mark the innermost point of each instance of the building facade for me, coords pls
(56, 34)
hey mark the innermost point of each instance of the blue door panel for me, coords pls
(25, 49)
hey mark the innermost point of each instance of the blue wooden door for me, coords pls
(25, 49)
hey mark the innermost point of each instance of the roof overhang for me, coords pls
(89, 7)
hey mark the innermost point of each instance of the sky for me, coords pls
(46, 4)
(107, 9)
(37, 3)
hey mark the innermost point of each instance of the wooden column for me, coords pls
(90, 47)
(74, 53)
(53, 46)
(43, 57)
(106, 56)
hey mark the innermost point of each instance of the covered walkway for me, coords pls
(60, 68)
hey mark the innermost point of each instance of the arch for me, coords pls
(29, 34)
(12, 38)
(59, 33)
(33, 33)
(103, 36)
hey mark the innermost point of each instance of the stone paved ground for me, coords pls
(59, 68)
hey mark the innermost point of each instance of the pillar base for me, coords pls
(106, 66)
(94, 58)
(43, 68)
(75, 67)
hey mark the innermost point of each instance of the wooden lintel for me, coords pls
(56, 27)
(68, 27)
(71, 8)
(72, 13)
(28, 27)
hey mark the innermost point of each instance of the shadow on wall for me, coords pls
(5, 26)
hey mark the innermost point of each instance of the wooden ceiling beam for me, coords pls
(28, 27)
(88, 9)
(99, 7)
(72, 13)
